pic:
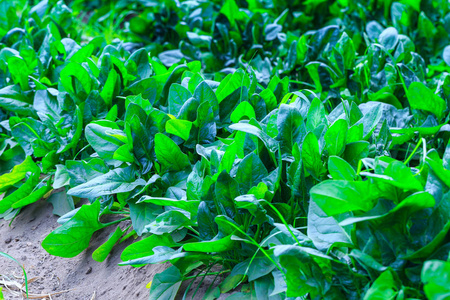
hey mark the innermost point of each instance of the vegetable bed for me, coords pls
(287, 149)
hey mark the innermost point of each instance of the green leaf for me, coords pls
(446, 55)
(226, 190)
(231, 10)
(168, 222)
(181, 128)
(204, 93)
(259, 267)
(421, 97)
(187, 205)
(34, 196)
(346, 48)
(269, 98)
(73, 237)
(371, 119)
(61, 177)
(22, 192)
(244, 109)
(220, 245)
(103, 251)
(169, 154)
(291, 129)
(75, 70)
(389, 38)
(402, 176)
(312, 159)
(142, 214)
(207, 228)
(233, 81)
(62, 203)
(250, 172)
(18, 173)
(81, 172)
(105, 138)
(316, 115)
(269, 142)
(116, 181)
(228, 105)
(339, 196)
(400, 213)
(178, 95)
(166, 284)
(336, 136)
(13, 100)
(298, 266)
(107, 92)
(436, 278)
(142, 143)
(356, 151)
(19, 71)
(123, 154)
(431, 247)
(140, 58)
(324, 231)
(144, 247)
(339, 169)
(384, 287)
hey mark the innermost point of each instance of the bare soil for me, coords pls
(78, 278)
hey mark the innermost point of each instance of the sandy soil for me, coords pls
(78, 278)
(83, 277)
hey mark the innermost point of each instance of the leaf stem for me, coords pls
(115, 222)
(252, 241)
(195, 231)
(118, 213)
(283, 220)
(413, 152)
(208, 274)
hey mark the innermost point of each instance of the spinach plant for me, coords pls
(290, 149)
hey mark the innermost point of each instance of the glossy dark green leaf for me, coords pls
(169, 154)
(165, 285)
(105, 138)
(178, 95)
(336, 136)
(312, 159)
(270, 143)
(421, 97)
(291, 129)
(316, 115)
(13, 100)
(116, 181)
(142, 214)
(325, 231)
(250, 172)
(62, 203)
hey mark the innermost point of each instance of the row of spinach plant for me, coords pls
(287, 158)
